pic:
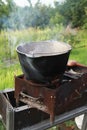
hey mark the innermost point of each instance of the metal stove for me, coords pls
(55, 97)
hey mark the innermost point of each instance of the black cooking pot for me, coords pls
(42, 61)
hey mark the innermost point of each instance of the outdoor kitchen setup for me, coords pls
(48, 92)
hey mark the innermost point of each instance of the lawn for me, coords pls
(79, 54)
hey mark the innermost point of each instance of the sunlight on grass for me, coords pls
(7, 76)
(80, 55)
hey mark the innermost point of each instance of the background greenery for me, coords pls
(73, 12)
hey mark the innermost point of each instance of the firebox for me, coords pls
(56, 97)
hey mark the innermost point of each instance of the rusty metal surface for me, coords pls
(7, 112)
(27, 118)
(54, 98)
(32, 102)
(3, 106)
(18, 118)
(84, 123)
(61, 118)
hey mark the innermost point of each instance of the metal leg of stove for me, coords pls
(84, 124)
(9, 118)
(51, 119)
(17, 102)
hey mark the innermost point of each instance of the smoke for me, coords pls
(28, 16)
(21, 18)
(14, 21)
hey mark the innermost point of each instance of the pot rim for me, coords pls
(37, 55)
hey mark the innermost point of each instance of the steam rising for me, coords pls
(40, 49)
(29, 16)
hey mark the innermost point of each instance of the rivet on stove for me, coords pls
(77, 92)
(65, 99)
(51, 96)
(83, 84)
(70, 80)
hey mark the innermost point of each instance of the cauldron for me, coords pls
(42, 61)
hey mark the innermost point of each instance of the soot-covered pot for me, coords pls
(42, 61)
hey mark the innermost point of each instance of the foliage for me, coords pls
(85, 19)
(1, 126)
(56, 19)
(42, 16)
(74, 12)
(5, 8)
(10, 39)
(68, 12)
(29, 16)
(7, 74)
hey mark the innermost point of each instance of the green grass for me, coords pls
(1, 126)
(79, 54)
(7, 76)
(9, 40)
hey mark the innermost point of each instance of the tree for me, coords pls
(74, 12)
(37, 16)
(42, 17)
(56, 19)
(5, 9)
(85, 19)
